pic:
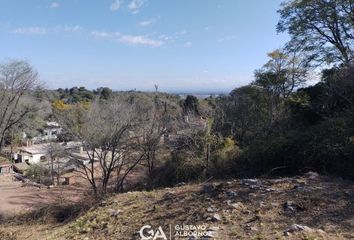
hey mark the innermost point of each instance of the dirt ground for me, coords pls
(16, 198)
(285, 208)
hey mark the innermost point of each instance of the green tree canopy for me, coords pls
(325, 28)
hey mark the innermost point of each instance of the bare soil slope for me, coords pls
(306, 207)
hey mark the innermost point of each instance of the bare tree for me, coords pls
(105, 131)
(17, 79)
(156, 125)
(56, 153)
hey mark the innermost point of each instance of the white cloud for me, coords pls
(67, 29)
(30, 30)
(165, 37)
(140, 40)
(54, 5)
(149, 22)
(128, 39)
(135, 5)
(188, 44)
(146, 23)
(42, 30)
(180, 33)
(227, 38)
(100, 34)
(116, 5)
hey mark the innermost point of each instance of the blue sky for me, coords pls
(181, 45)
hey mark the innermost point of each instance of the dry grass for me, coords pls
(4, 160)
(324, 205)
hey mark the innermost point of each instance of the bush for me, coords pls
(39, 174)
(325, 147)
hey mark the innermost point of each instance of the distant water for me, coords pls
(200, 95)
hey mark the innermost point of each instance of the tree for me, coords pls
(17, 79)
(158, 123)
(283, 73)
(191, 105)
(323, 27)
(106, 93)
(244, 115)
(55, 151)
(104, 130)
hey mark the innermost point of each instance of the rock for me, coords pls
(113, 212)
(238, 205)
(169, 195)
(269, 190)
(297, 228)
(254, 229)
(215, 218)
(312, 175)
(299, 187)
(247, 227)
(211, 209)
(249, 182)
(261, 204)
(290, 206)
(180, 184)
(231, 193)
(252, 195)
(254, 187)
(212, 189)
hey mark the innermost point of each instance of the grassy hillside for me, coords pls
(240, 209)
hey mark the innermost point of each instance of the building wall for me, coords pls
(31, 158)
(36, 158)
(5, 169)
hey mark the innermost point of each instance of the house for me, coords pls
(32, 154)
(50, 133)
(40, 152)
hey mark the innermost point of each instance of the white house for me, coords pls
(32, 154)
(50, 132)
(38, 152)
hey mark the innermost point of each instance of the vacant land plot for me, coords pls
(286, 208)
(15, 197)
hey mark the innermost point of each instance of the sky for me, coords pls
(200, 46)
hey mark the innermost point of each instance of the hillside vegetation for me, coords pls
(321, 208)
